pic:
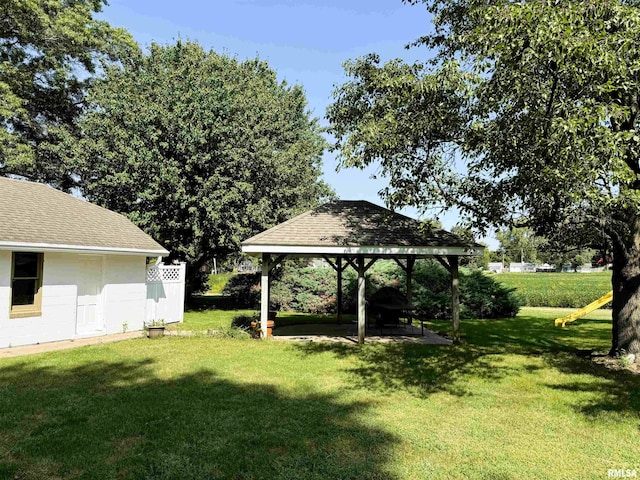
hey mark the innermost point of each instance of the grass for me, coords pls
(218, 281)
(557, 289)
(214, 313)
(513, 401)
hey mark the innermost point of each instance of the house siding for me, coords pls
(123, 297)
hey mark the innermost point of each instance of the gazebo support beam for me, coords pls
(339, 287)
(264, 294)
(268, 264)
(455, 297)
(339, 269)
(361, 300)
(408, 270)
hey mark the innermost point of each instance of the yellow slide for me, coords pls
(585, 310)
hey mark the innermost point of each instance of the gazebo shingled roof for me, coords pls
(354, 224)
(356, 231)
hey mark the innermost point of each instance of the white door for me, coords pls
(89, 317)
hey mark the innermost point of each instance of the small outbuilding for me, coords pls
(68, 268)
(357, 233)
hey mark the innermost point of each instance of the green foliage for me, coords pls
(519, 244)
(243, 321)
(480, 295)
(243, 289)
(49, 52)
(314, 290)
(571, 290)
(199, 149)
(535, 102)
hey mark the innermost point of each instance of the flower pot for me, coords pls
(270, 326)
(272, 315)
(156, 331)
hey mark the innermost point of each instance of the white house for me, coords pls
(68, 268)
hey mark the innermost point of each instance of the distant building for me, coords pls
(545, 268)
(496, 267)
(519, 267)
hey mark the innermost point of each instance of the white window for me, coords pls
(26, 285)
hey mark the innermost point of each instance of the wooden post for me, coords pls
(361, 300)
(409, 272)
(455, 297)
(264, 294)
(339, 293)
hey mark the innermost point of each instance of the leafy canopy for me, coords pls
(528, 111)
(48, 51)
(199, 149)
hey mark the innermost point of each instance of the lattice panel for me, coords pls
(164, 274)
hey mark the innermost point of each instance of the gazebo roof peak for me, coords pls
(357, 227)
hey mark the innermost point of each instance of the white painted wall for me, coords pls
(123, 299)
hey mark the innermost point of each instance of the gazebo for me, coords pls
(358, 233)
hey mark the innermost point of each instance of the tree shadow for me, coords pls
(616, 390)
(200, 303)
(427, 369)
(123, 420)
(529, 335)
(420, 369)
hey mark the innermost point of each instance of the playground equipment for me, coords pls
(585, 310)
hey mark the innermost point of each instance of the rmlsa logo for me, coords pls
(621, 473)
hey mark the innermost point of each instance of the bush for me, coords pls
(311, 290)
(314, 290)
(480, 295)
(243, 322)
(486, 298)
(243, 289)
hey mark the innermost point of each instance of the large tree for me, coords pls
(49, 50)
(526, 114)
(199, 149)
(519, 244)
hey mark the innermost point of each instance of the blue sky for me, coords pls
(305, 41)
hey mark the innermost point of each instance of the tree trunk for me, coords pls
(625, 282)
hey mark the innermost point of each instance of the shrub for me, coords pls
(244, 321)
(485, 298)
(314, 290)
(243, 289)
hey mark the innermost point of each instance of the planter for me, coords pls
(272, 315)
(271, 324)
(156, 331)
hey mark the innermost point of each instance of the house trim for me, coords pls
(49, 247)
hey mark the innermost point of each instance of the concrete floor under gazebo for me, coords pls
(357, 234)
(348, 333)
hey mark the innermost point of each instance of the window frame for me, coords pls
(34, 309)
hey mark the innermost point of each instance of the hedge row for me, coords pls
(566, 290)
(314, 290)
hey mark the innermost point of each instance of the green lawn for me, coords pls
(557, 289)
(218, 281)
(514, 401)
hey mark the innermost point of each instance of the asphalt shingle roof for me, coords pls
(33, 213)
(355, 223)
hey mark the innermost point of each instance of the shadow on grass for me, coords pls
(427, 369)
(617, 390)
(420, 369)
(199, 303)
(121, 420)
